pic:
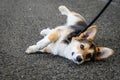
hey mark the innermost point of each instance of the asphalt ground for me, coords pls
(20, 24)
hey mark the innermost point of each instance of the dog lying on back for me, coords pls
(63, 40)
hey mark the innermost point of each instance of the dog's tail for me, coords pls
(64, 10)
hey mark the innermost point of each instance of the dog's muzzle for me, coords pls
(78, 59)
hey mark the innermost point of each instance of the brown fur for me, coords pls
(54, 36)
(86, 51)
(47, 50)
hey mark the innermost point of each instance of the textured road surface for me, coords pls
(20, 24)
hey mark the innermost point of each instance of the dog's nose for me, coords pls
(78, 58)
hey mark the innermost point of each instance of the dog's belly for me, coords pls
(58, 48)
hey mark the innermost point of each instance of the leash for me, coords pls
(74, 34)
(99, 14)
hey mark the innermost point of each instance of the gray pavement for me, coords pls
(20, 24)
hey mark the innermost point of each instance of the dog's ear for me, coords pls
(89, 34)
(103, 53)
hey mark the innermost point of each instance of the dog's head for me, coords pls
(83, 48)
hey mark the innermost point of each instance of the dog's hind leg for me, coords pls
(50, 38)
(64, 10)
(73, 18)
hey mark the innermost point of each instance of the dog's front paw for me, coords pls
(44, 32)
(31, 49)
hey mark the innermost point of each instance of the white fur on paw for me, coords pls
(41, 50)
(31, 49)
(64, 10)
(44, 32)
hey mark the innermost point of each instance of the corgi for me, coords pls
(63, 40)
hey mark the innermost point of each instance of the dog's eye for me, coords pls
(82, 46)
(88, 55)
